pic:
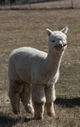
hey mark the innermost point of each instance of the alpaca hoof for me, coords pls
(16, 112)
(30, 109)
(52, 114)
(32, 113)
(39, 118)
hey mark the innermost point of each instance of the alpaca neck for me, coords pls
(53, 61)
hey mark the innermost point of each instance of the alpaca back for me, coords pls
(22, 61)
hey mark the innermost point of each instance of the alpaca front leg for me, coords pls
(50, 109)
(39, 110)
(38, 97)
(50, 98)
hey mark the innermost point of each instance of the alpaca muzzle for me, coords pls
(60, 46)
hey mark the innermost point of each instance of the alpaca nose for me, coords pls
(60, 44)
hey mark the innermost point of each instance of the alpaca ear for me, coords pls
(48, 32)
(65, 30)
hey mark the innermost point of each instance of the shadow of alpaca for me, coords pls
(7, 121)
(68, 103)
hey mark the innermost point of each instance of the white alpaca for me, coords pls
(33, 74)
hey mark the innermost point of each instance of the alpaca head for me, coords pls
(57, 40)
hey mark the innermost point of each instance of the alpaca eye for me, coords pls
(53, 40)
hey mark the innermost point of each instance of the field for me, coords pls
(27, 28)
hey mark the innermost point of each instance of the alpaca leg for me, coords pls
(39, 110)
(50, 97)
(50, 109)
(38, 97)
(26, 99)
(14, 93)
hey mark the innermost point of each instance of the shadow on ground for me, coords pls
(7, 121)
(68, 103)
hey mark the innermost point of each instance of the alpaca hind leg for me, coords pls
(26, 99)
(14, 94)
(50, 97)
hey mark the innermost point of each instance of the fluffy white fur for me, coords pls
(33, 74)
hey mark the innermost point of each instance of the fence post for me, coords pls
(29, 3)
(71, 3)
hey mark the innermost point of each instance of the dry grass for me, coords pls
(27, 28)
